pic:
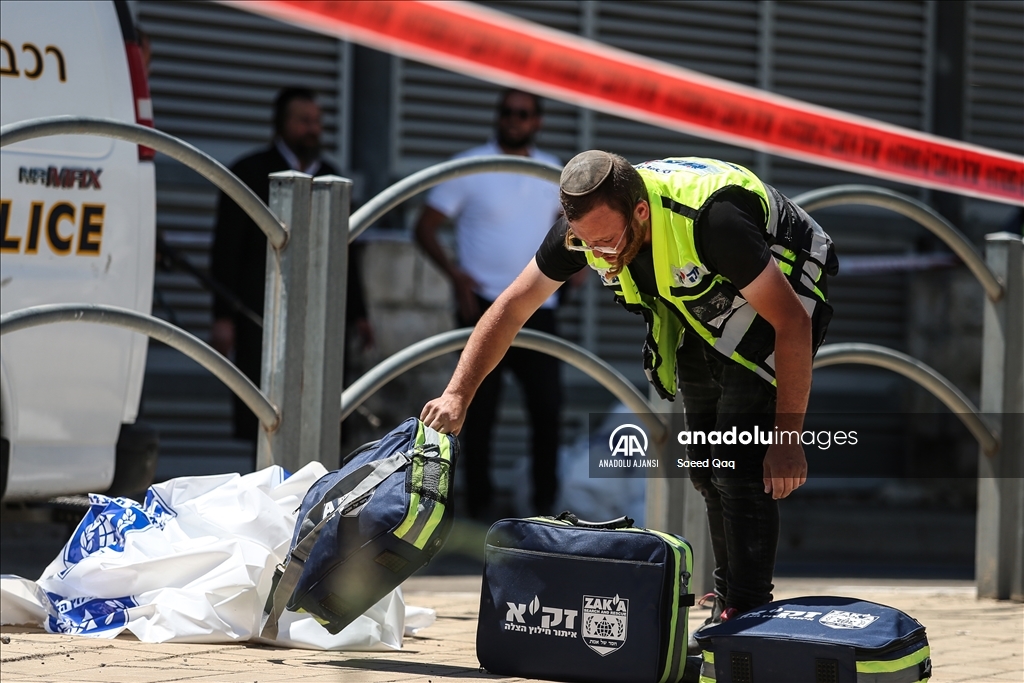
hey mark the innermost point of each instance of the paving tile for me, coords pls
(959, 628)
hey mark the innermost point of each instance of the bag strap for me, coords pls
(336, 492)
(286, 576)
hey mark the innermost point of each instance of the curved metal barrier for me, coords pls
(446, 342)
(195, 159)
(911, 368)
(434, 175)
(839, 195)
(191, 346)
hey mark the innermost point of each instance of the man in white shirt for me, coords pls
(500, 221)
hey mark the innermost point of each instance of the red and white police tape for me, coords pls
(497, 47)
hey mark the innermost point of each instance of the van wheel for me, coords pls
(138, 447)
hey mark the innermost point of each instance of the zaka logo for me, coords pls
(604, 623)
(625, 441)
(846, 620)
(554, 621)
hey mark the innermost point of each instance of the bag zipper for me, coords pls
(565, 556)
(898, 644)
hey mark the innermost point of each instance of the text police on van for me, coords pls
(66, 225)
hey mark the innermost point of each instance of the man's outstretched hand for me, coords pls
(785, 469)
(445, 414)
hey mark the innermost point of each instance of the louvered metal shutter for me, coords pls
(872, 59)
(867, 58)
(716, 38)
(439, 113)
(214, 74)
(215, 71)
(995, 75)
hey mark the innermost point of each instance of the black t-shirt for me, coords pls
(729, 237)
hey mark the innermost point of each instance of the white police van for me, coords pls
(78, 226)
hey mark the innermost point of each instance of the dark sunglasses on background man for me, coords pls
(521, 114)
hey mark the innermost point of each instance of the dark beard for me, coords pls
(305, 150)
(306, 153)
(508, 142)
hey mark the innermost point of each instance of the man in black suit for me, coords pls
(240, 248)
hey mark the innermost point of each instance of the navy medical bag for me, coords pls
(568, 600)
(816, 640)
(367, 527)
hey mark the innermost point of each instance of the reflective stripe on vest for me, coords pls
(679, 189)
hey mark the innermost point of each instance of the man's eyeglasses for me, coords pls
(520, 114)
(607, 251)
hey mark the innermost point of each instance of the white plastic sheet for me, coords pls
(194, 563)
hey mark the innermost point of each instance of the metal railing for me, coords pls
(173, 336)
(868, 195)
(429, 177)
(999, 555)
(999, 568)
(920, 373)
(455, 340)
(196, 159)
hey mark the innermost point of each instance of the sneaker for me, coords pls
(719, 613)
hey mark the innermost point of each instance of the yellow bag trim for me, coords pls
(431, 526)
(883, 666)
(410, 516)
(437, 509)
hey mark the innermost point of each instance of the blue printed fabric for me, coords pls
(107, 523)
(77, 616)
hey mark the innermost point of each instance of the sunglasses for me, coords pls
(607, 251)
(520, 114)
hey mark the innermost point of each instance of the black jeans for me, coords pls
(539, 378)
(744, 521)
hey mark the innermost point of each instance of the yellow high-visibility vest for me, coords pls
(679, 190)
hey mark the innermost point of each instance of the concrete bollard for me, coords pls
(284, 319)
(324, 358)
(304, 320)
